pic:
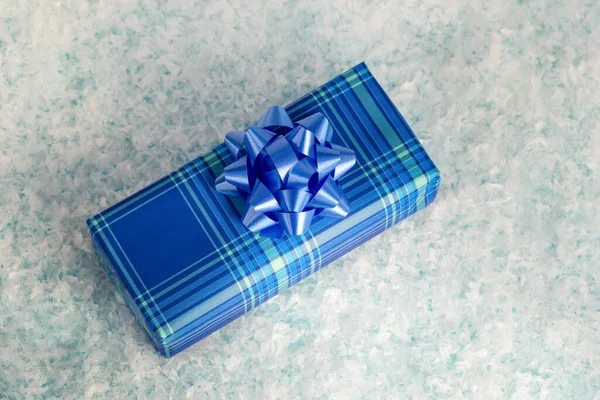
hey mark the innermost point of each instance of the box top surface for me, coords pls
(184, 256)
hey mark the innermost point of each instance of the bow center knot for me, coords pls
(286, 172)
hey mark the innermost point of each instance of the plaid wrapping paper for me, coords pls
(186, 266)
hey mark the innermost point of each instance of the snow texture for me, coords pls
(492, 292)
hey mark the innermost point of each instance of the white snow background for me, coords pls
(491, 292)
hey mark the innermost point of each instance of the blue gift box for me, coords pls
(186, 265)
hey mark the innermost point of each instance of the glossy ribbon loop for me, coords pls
(287, 172)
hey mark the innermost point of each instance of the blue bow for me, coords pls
(287, 172)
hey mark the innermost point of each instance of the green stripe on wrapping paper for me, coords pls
(356, 146)
(382, 123)
(278, 266)
(311, 250)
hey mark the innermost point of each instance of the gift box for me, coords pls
(184, 257)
